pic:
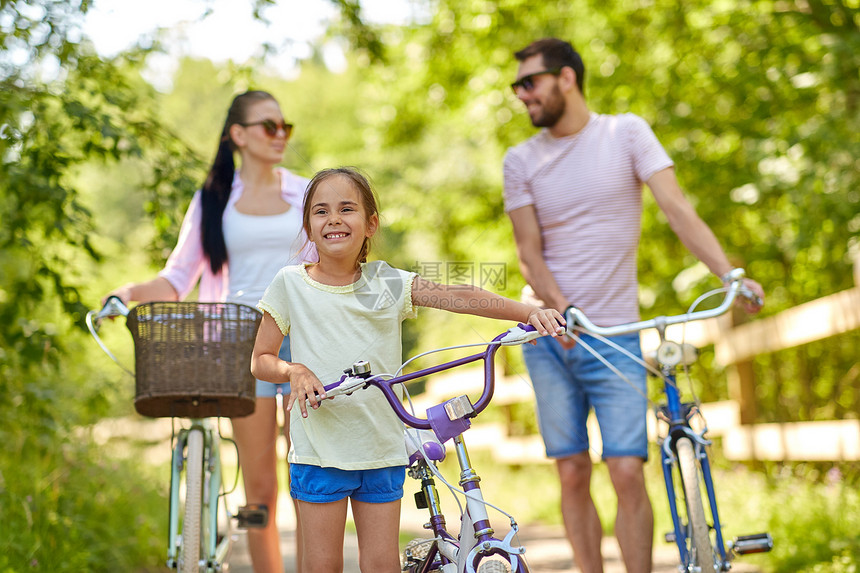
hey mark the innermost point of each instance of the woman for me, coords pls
(242, 227)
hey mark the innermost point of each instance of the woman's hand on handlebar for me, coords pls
(156, 289)
(123, 293)
(547, 321)
(305, 388)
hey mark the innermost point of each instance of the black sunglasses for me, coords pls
(271, 126)
(528, 82)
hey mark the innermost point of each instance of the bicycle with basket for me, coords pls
(684, 455)
(193, 364)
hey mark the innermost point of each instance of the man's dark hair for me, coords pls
(556, 54)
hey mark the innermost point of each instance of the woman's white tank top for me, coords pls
(258, 246)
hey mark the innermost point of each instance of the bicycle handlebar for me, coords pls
(575, 316)
(355, 379)
(113, 307)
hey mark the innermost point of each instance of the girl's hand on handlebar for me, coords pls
(304, 386)
(547, 321)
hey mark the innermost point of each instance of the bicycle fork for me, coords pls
(677, 416)
(444, 547)
(476, 534)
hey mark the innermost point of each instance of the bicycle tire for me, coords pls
(701, 551)
(415, 554)
(189, 550)
(494, 566)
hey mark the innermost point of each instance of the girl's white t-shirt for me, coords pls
(330, 328)
(258, 246)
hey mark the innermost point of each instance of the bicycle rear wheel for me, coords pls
(189, 550)
(700, 549)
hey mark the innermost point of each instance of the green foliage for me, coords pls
(63, 108)
(814, 522)
(756, 101)
(86, 513)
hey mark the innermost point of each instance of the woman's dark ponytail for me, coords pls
(213, 200)
(219, 182)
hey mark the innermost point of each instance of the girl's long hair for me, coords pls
(219, 182)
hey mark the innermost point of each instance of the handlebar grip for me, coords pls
(750, 296)
(346, 385)
(520, 334)
(113, 307)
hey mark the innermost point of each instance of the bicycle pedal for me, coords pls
(756, 543)
(252, 517)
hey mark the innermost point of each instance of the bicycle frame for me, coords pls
(196, 472)
(449, 421)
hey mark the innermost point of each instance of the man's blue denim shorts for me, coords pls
(269, 390)
(324, 485)
(569, 383)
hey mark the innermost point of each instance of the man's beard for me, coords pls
(551, 110)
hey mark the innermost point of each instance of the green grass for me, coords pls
(73, 510)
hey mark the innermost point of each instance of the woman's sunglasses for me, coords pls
(271, 127)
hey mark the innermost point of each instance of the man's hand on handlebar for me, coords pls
(752, 296)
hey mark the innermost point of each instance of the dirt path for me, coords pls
(547, 551)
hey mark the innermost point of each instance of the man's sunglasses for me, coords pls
(271, 126)
(528, 82)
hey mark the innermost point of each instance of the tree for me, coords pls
(755, 100)
(61, 107)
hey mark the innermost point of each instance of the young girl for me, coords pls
(337, 311)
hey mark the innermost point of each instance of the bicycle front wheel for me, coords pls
(700, 549)
(189, 550)
(494, 566)
(416, 553)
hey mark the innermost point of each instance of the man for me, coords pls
(573, 193)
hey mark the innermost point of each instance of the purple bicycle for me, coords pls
(476, 549)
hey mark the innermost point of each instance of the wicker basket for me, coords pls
(192, 359)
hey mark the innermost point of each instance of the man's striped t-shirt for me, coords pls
(587, 192)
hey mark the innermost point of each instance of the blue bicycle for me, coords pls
(683, 451)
